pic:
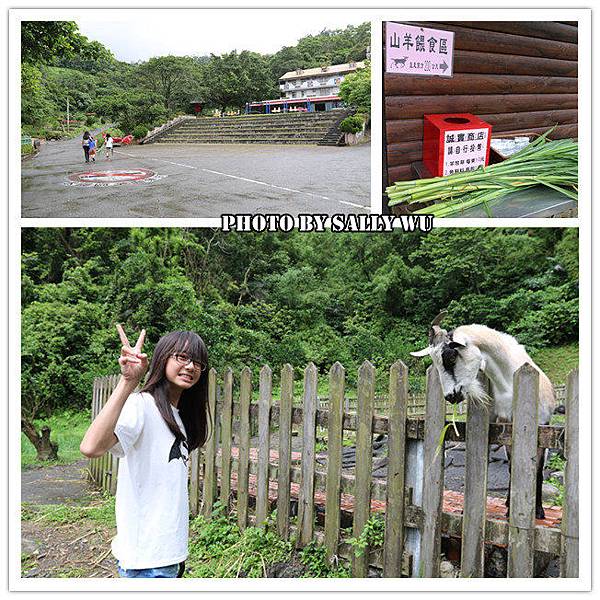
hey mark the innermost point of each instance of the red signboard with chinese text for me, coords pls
(454, 143)
(414, 50)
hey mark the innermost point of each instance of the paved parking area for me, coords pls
(199, 181)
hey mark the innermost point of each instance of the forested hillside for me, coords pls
(269, 298)
(58, 63)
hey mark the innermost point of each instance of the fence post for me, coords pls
(475, 496)
(433, 481)
(307, 487)
(92, 463)
(394, 511)
(226, 428)
(244, 448)
(285, 451)
(104, 458)
(194, 481)
(523, 462)
(114, 461)
(364, 461)
(262, 476)
(569, 559)
(209, 485)
(335, 434)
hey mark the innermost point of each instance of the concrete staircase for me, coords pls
(320, 128)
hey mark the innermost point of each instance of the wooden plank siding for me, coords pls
(520, 77)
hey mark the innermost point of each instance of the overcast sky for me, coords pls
(138, 35)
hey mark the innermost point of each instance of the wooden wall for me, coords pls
(517, 76)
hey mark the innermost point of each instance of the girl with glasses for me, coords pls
(153, 431)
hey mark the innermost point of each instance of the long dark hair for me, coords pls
(193, 404)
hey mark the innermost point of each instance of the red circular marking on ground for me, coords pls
(111, 176)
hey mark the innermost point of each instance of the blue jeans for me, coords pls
(168, 571)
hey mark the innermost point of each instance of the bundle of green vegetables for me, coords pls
(542, 162)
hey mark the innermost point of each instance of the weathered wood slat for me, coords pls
(474, 509)
(549, 30)
(194, 486)
(114, 461)
(226, 428)
(467, 61)
(394, 514)
(264, 407)
(244, 447)
(474, 83)
(364, 457)
(334, 458)
(106, 456)
(506, 43)
(285, 451)
(209, 482)
(92, 462)
(407, 130)
(523, 473)
(569, 564)
(306, 500)
(433, 479)
(402, 106)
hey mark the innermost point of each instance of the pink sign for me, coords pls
(414, 50)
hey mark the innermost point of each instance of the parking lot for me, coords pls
(181, 181)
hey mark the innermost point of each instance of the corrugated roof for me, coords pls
(330, 70)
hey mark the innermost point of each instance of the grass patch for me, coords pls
(28, 562)
(219, 549)
(67, 430)
(558, 362)
(101, 512)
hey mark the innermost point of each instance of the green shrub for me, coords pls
(140, 131)
(90, 121)
(352, 124)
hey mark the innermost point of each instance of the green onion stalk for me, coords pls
(552, 164)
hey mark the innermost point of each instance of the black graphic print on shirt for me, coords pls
(176, 451)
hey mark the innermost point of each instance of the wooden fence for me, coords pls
(316, 498)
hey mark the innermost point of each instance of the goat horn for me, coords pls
(439, 318)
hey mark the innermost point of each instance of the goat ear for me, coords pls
(457, 345)
(424, 352)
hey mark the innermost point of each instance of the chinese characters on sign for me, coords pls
(418, 50)
(464, 150)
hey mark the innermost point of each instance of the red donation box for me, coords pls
(455, 143)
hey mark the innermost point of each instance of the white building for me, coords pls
(318, 82)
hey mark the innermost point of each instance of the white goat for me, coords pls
(459, 355)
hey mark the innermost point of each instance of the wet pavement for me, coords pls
(195, 180)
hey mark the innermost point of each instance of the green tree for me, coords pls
(170, 77)
(43, 41)
(231, 80)
(355, 90)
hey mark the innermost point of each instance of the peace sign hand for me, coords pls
(132, 361)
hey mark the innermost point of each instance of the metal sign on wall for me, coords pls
(414, 50)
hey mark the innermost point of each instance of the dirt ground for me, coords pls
(57, 542)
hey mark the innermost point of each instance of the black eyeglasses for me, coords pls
(184, 359)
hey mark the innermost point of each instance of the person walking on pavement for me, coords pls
(92, 148)
(85, 144)
(109, 146)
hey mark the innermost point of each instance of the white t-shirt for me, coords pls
(152, 488)
(109, 142)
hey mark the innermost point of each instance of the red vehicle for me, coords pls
(120, 141)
